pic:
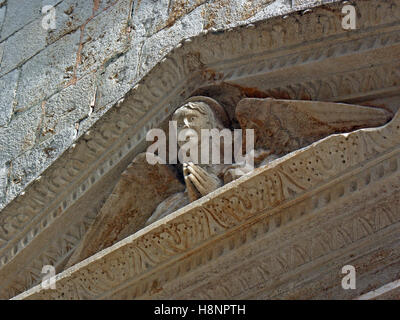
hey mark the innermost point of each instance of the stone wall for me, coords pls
(55, 84)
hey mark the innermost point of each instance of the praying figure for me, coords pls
(148, 192)
(204, 114)
(198, 115)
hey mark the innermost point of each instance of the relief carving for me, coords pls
(285, 182)
(147, 193)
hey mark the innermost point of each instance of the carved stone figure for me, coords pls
(148, 193)
(205, 113)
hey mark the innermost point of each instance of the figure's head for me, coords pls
(200, 113)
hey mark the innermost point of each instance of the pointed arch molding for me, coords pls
(304, 55)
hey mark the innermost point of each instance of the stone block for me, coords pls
(153, 16)
(305, 2)
(67, 108)
(105, 37)
(22, 45)
(70, 15)
(157, 46)
(20, 135)
(102, 5)
(2, 15)
(3, 182)
(1, 52)
(48, 72)
(219, 14)
(115, 80)
(148, 16)
(32, 163)
(19, 14)
(8, 84)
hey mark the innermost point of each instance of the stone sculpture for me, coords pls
(205, 113)
(280, 127)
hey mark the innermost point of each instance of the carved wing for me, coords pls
(283, 126)
(136, 195)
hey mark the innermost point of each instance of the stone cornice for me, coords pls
(266, 48)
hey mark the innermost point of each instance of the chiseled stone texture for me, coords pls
(21, 130)
(70, 16)
(8, 85)
(68, 108)
(115, 41)
(105, 37)
(22, 46)
(2, 15)
(54, 66)
(19, 14)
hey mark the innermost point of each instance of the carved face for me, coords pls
(196, 116)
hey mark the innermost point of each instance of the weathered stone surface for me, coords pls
(300, 2)
(141, 188)
(220, 13)
(23, 45)
(70, 15)
(8, 84)
(284, 126)
(68, 108)
(116, 78)
(154, 16)
(157, 46)
(163, 29)
(22, 131)
(55, 66)
(19, 14)
(2, 15)
(389, 291)
(168, 206)
(1, 52)
(105, 37)
(56, 121)
(103, 4)
(171, 25)
(24, 170)
(4, 170)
